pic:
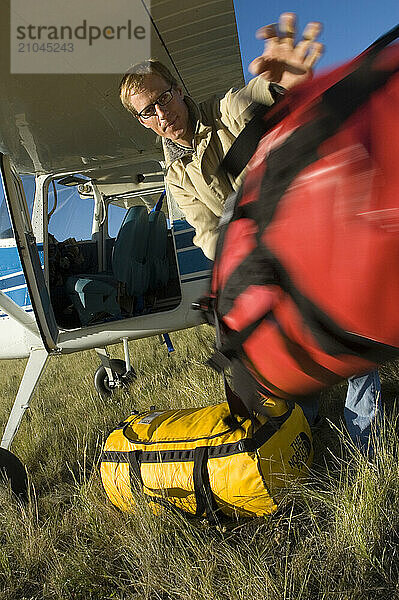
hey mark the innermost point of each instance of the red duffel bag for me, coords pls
(305, 285)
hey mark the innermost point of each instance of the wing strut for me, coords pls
(14, 311)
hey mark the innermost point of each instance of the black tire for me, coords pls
(118, 366)
(12, 470)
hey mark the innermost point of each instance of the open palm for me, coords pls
(282, 61)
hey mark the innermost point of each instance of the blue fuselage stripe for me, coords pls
(11, 282)
(184, 240)
(193, 261)
(12, 277)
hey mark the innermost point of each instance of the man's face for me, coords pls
(171, 120)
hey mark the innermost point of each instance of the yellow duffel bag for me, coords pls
(200, 461)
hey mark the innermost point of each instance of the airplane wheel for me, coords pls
(122, 378)
(12, 470)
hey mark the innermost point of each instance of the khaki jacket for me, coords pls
(193, 175)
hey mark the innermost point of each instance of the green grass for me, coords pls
(335, 537)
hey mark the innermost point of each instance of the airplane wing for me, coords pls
(53, 123)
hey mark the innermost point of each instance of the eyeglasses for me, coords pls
(149, 111)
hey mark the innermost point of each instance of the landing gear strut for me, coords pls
(120, 377)
(116, 373)
(113, 373)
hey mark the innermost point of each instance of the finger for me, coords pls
(267, 32)
(301, 49)
(315, 51)
(265, 67)
(312, 30)
(258, 65)
(267, 75)
(287, 26)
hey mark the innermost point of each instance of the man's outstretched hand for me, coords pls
(282, 61)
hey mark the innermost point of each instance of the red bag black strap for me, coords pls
(384, 40)
(245, 400)
(246, 142)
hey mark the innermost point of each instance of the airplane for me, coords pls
(94, 250)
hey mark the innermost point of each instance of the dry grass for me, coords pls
(334, 538)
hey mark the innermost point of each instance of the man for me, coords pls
(196, 138)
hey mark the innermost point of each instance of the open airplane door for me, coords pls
(29, 255)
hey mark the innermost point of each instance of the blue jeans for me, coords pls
(363, 410)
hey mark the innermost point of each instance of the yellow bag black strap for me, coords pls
(136, 481)
(204, 497)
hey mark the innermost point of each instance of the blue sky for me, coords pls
(349, 25)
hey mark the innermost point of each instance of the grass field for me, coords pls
(337, 537)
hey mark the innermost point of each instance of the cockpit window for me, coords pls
(70, 215)
(116, 214)
(29, 185)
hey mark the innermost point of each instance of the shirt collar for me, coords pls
(172, 150)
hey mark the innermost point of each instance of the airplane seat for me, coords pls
(93, 296)
(158, 251)
(98, 294)
(130, 253)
